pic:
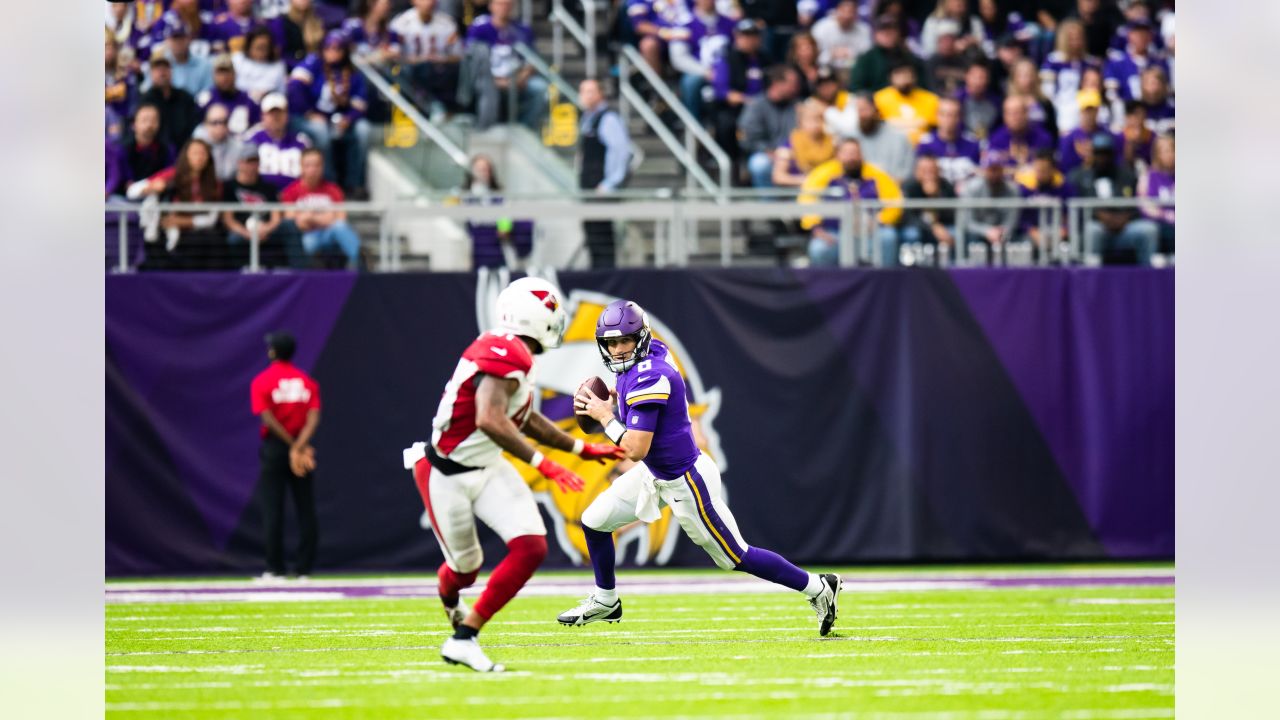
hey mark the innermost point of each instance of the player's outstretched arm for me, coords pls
(493, 396)
(539, 428)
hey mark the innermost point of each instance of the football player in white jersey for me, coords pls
(486, 408)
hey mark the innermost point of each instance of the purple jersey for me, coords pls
(722, 81)
(707, 43)
(845, 188)
(1160, 117)
(1058, 190)
(1060, 77)
(1159, 185)
(957, 160)
(651, 397)
(242, 112)
(1123, 74)
(1069, 157)
(1021, 146)
(279, 161)
(228, 32)
(503, 60)
(364, 42)
(201, 41)
(663, 13)
(1120, 40)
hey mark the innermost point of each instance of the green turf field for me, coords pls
(1074, 650)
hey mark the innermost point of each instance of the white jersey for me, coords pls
(439, 36)
(454, 433)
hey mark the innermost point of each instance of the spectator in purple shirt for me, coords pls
(1070, 147)
(244, 112)
(1155, 98)
(279, 149)
(185, 18)
(1042, 181)
(1157, 183)
(121, 82)
(329, 94)
(230, 27)
(495, 66)
(694, 53)
(1019, 139)
(958, 153)
(1124, 68)
(738, 77)
(656, 23)
(371, 35)
(1062, 70)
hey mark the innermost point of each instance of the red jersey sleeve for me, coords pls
(500, 355)
(290, 192)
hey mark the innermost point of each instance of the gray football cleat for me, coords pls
(824, 605)
(467, 652)
(590, 610)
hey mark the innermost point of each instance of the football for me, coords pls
(596, 387)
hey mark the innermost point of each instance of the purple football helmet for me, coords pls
(623, 318)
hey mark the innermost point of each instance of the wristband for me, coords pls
(615, 430)
(537, 459)
(578, 445)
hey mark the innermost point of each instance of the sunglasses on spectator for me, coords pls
(215, 122)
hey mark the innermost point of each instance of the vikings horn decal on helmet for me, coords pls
(532, 307)
(623, 318)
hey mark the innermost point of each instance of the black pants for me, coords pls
(275, 476)
(600, 243)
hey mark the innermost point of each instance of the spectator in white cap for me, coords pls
(279, 148)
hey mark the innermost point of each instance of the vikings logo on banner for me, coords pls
(558, 373)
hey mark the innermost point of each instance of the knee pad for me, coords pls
(468, 561)
(596, 517)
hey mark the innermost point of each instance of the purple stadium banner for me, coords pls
(858, 416)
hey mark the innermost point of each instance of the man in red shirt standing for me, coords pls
(321, 226)
(288, 402)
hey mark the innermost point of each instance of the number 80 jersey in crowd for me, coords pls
(454, 433)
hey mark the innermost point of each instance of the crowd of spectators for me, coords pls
(969, 98)
(257, 96)
(248, 99)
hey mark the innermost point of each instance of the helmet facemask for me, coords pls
(642, 338)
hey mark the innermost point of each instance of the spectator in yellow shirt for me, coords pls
(847, 177)
(905, 105)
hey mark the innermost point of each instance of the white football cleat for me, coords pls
(468, 653)
(591, 610)
(269, 578)
(457, 613)
(824, 605)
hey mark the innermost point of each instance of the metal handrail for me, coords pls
(585, 36)
(692, 126)
(690, 164)
(674, 214)
(546, 71)
(428, 128)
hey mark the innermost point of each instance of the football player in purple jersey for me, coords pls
(653, 430)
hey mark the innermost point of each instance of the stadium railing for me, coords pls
(584, 34)
(677, 215)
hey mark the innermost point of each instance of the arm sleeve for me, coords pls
(682, 59)
(643, 417)
(314, 403)
(617, 150)
(654, 389)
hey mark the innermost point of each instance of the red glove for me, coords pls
(561, 476)
(601, 452)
